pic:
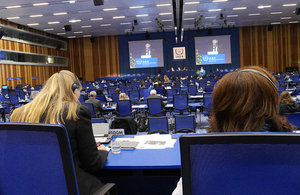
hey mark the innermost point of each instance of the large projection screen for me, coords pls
(146, 54)
(213, 50)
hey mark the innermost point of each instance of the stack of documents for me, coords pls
(152, 141)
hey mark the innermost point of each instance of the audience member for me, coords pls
(57, 103)
(85, 95)
(158, 78)
(207, 84)
(117, 90)
(287, 104)
(33, 93)
(97, 104)
(153, 95)
(240, 106)
(122, 96)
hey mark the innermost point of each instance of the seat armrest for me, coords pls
(109, 187)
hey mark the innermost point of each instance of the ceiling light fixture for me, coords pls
(93, 19)
(214, 10)
(110, 9)
(239, 8)
(55, 22)
(191, 3)
(13, 18)
(12, 7)
(162, 5)
(60, 13)
(118, 17)
(40, 4)
(136, 7)
(35, 16)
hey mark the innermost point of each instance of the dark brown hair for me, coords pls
(286, 98)
(244, 101)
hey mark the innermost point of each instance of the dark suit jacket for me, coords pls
(97, 105)
(88, 161)
(157, 97)
(152, 53)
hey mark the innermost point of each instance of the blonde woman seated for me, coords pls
(287, 104)
(122, 96)
(57, 103)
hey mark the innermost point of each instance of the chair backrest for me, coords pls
(177, 88)
(192, 89)
(124, 107)
(98, 120)
(101, 98)
(281, 88)
(180, 101)
(209, 89)
(134, 95)
(115, 97)
(91, 108)
(111, 90)
(202, 84)
(146, 93)
(207, 100)
(155, 107)
(167, 84)
(294, 118)
(4, 91)
(158, 125)
(170, 93)
(127, 89)
(184, 124)
(14, 99)
(22, 95)
(240, 163)
(36, 159)
(160, 90)
(81, 98)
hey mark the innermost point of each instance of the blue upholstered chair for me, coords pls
(240, 163)
(158, 125)
(180, 104)
(124, 108)
(155, 107)
(185, 124)
(37, 159)
(207, 103)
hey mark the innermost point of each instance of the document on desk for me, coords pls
(154, 141)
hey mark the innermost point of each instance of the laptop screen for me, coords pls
(237, 168)
(4, 87)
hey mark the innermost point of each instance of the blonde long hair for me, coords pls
(52, 101)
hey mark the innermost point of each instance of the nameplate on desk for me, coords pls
(116, 131)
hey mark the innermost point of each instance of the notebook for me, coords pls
(100, 131)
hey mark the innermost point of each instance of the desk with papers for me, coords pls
(144, 171)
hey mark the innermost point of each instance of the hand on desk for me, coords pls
(101, 147)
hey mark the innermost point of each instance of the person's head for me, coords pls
(148, 46)
(207, 83)
(143, 85)
(153, 92)
(122, 96)
(117, 90)
(134, 80)
(215, 42)
(158, 74)
(218, 70)
(59, 95)
(173, 83)
(83, 90)
(245, 101)
(159, 83)
(93, 94)
(201, 68)
(286, 98)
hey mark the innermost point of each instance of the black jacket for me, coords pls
(97, 105)
(88, 161)
(289, 108)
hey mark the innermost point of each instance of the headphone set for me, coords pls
(75, 86)
(262, 74)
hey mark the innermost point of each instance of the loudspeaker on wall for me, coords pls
(92, 40)
(270, 27)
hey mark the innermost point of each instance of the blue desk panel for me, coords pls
(168, 158)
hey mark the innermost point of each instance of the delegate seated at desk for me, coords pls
(97, 104)
(153, 95)
(57, 103)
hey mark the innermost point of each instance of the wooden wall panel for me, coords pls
(26, 71)
(93, 60)
(274, 49)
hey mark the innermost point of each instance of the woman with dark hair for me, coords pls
(287, 104)
(245, 101)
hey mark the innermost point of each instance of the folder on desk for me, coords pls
(127, 145)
